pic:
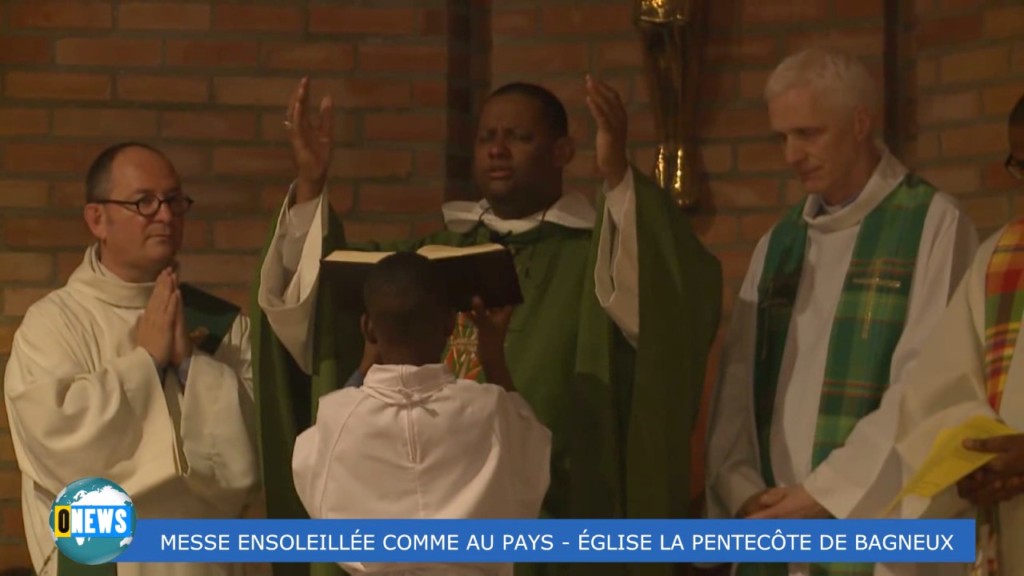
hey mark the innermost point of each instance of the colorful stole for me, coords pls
(868, 323)
(1004, 304)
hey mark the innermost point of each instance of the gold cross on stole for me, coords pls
(873, 282)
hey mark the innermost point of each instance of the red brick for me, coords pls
(17, 300)
(975, 65)
(197, 234)
(746, 193)
(23, 121)
(30, 232)
(716, 158)
(754, 226)
(11, 525)
(252, 161)
(405, 127)
(752, 83)
(249, 233)
(849, 9)
(25, 267)
(189, 161)
(732, 123)
(6, 446)
(860, 42)
(212, 53)
(1005, 22)
(163, 16)
(593, 18)
(974, 140)
(209, 125)
(427, 227)
(258, 18)
(272, 127)
(51, 158)
(414, 58)
(541, 57)
(309, 55)
(22, 193)
(57, 85)
(162, 88)
(954, 179)
(995, 177)
(430, 93)
(948, 31)
(1017, 59)
(372, 163)
(987, 213)
(218, 197)
(517, 22)
(59, 14)
(742, 50)
(340, 195)
(67, 194)
(363, 21)
(925, 147)
(217, 268)
(370, 93)
(940, 108)
(999, 100)
(441, 23)
(253, 91)
(716, 230)
(927, 71)
(113, 123)
(760, 157)
(108, 52)
(618, 55)
(363, 231)
(400, 199)
(734, 263)
(239, 297)
(67, 262)
(14, 555)
(572, 91)
(775, 11)
(959, 4)
(25, 50)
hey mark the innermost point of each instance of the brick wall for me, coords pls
(208, 82)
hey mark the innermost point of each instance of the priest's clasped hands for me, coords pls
(161, 328)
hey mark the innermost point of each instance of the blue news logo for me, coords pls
(93, 521)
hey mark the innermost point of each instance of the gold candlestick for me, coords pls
(671, 33)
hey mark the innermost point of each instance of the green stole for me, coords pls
(621, 420)
(868, 323)
(208, 319)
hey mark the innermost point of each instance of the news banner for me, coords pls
(94, 522)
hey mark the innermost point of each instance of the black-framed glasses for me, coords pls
(150, 204)
(1015, 167)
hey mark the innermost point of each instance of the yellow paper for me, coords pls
(949, 461)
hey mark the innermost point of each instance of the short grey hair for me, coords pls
(832, 74)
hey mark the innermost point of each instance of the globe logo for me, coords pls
(92, 520)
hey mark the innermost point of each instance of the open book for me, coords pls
(485, 270)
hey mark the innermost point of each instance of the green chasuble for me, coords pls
(867, 326)
(621, 419)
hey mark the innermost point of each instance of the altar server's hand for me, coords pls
(1002, 478)
(491, 326)
(792, 502)
(612, 126)
(311, 137)
(182, 343)
(155, 329)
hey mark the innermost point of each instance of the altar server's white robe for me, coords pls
(84, 400)
(415, 442)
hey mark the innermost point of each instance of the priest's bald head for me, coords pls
(136, 210)
(522, 147)
(408, 314)
(823, 105)
(1015, 159)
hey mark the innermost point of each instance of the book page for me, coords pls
(437, 252)
(949, 461)
(356, 257)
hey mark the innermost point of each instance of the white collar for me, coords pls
(403, 385)
(886, 177)
(572, 210)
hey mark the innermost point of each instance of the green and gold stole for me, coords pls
(1004, 304)
(868, 323)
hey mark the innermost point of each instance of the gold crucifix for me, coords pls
(873, 283)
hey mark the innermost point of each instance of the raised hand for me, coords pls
(491, 327)
(612, 126)
(312, 141)
(155, 329)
